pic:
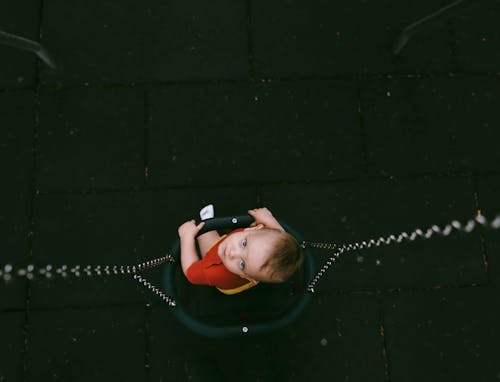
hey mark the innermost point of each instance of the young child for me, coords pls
(263, 252)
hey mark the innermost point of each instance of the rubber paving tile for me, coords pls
(431, 125)
(175, 352)
(177, 40)
(477, 37)
(12, 294)
(103, 229)
(339, 340)
(88, 344)
(18, 67)
(11, 332)
(327, 348)
(355, 211)
(91, 138)
(115, 229)
(292, 38)
(16, 162)
(236, 133)
(443, 335)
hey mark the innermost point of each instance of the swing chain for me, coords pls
(155, 262)
(8, 272)
(154, 289)
(454, 225)
(151, 264)
(311, 244)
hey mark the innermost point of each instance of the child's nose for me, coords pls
(233, 253)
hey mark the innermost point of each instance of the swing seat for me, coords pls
(260, 309)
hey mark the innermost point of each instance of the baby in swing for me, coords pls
(263, 252)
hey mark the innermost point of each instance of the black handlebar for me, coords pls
(232, 222)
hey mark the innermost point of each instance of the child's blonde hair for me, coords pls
(286, 256)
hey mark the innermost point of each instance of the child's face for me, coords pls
(244, 253)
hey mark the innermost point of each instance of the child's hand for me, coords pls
(189, 229)
(264, 216)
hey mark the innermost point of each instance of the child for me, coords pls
(237, 261)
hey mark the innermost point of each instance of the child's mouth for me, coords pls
(222, 252)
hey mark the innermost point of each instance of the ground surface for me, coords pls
(159, 107)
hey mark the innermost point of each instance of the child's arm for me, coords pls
(264, 216)
(187, 234)
(206, 240)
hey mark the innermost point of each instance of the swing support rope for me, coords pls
(341, 249)
(8, 272)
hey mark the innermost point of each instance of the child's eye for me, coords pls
(242, 264)
(244, 243)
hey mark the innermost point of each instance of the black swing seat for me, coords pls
(261, 309)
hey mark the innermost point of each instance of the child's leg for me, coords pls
(206, 240)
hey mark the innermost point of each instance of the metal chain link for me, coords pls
(9, 272)
(454, 225)
(154, 289)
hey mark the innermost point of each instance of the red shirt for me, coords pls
(210, 270)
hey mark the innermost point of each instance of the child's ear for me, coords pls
(258, 226)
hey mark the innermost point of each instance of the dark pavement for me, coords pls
(159, 107)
